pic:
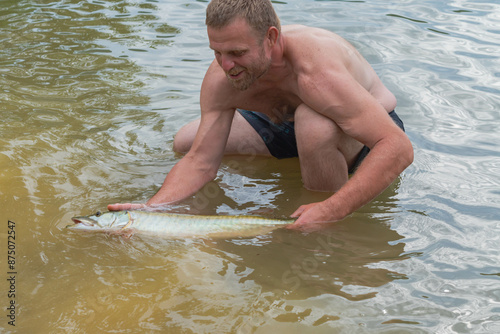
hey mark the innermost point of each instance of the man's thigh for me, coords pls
(243, 138)
(278, 138)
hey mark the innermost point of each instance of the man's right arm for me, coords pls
(200, 164)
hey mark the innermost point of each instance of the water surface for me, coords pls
(91, 95)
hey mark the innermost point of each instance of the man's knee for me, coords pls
(325, 151)
(302, 114)
(318, 131)
(184, 138)
(313, 129)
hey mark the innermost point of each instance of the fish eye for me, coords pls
(98, 214)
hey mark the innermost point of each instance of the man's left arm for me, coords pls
(362, 117)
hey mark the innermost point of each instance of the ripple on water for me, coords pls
(92, 93)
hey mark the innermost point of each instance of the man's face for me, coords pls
(239, 53)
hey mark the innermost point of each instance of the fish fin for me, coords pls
(128, 233)
(125, 233)
(130, 221)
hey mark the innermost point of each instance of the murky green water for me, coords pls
(91, 94)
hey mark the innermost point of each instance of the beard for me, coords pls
(249, 74)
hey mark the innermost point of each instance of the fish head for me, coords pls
(113, 220)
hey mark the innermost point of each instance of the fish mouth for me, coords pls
(84, 221)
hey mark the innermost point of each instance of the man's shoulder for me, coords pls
(216, 89)
(310, 41)
(216, 79)
(305, 33)
(310, 49)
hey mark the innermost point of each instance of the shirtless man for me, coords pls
(317, 99)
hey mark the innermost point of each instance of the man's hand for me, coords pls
(312, 217)
(126, 206)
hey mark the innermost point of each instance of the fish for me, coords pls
(175, 225)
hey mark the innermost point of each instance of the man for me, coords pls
(311, 95)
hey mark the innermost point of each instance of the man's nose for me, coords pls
(227, 63)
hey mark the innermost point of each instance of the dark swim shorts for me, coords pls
(280, 138)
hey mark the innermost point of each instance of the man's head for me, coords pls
(259, 14)
(242, 34)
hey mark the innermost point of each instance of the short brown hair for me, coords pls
(259, 14)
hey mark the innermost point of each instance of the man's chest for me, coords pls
(278, 104)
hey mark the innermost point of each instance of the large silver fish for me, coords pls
(176, 225)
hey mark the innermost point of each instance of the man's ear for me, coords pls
(272, 35)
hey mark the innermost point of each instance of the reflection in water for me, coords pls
(341, 260)
(73, 104)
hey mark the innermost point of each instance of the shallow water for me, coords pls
(91, 95)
